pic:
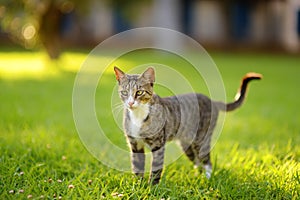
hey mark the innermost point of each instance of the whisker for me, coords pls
(117, 108)
(117, 104)
(118, 112)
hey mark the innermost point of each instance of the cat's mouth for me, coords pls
(131, 107)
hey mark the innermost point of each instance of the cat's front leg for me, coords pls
(157, 164)
(137, 156)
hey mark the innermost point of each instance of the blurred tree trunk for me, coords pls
(49, 30)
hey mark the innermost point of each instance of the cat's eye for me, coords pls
(124, 93)
(139, 92)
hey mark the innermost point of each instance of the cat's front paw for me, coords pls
(139, 175)
(153, 182)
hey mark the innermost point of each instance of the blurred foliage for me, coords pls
(34, 23)
(37, 22)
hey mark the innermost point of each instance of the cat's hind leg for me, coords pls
(207, 166)
(201, 161)
(203, 158)
(188, 150)
(204, 161)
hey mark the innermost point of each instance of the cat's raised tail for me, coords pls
(240, 96)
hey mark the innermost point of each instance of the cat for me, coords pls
(151, 121)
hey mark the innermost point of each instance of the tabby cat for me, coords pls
(151, 121)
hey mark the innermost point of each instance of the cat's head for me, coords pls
(135, 90)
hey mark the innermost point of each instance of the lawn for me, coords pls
(42, 157)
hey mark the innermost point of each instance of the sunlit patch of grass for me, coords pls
(16, 64)
(26, 64)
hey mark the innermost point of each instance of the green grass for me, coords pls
(256, 156)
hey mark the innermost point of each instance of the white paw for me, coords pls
(208, 171)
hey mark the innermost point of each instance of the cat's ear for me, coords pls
(149, 75)
(119, 74)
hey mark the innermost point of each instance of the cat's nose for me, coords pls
(130, 103)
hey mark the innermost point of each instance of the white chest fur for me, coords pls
(137, 117)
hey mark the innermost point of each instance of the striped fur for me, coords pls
(152, 121)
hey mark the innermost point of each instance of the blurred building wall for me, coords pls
(209, 22)
(271, 24)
